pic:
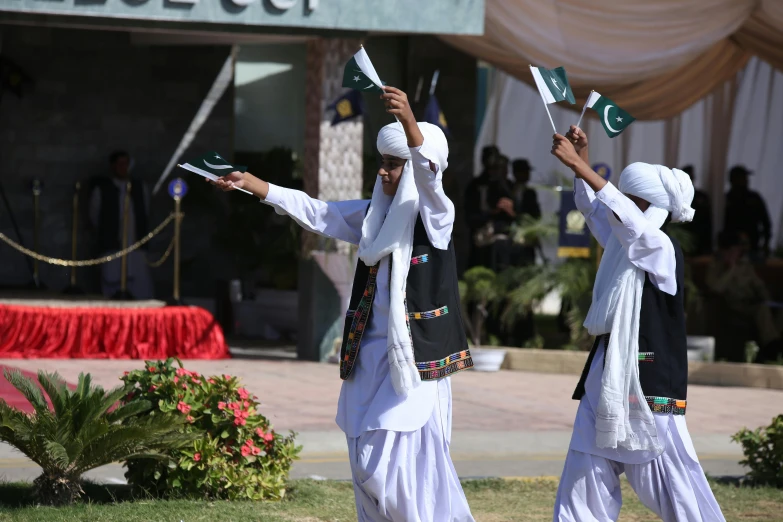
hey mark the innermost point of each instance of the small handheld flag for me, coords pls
(212, 166)
(433, 115)
(613, 119)
(359, 74)
(553, 87)
(346, 107)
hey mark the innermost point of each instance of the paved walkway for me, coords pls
(505, 424)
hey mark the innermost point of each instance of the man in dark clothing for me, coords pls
(746, 213)
(477, 210)
(700, 228)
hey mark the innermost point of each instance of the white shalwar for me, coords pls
(672, 484)
(398, 446)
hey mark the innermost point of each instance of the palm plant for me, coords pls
(82, 431)
(479, 290)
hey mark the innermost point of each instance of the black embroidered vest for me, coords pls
(433, 309)
(663, 348)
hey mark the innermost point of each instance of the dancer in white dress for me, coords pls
(395, 401)
(632, 393)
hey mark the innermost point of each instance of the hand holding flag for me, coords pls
(212, 166)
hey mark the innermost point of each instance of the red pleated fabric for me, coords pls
(187, 332)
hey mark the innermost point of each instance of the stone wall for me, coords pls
(95, 92)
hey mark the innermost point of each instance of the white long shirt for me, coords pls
(650, 250)
(367, 399)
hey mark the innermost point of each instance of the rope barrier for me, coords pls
(97, 260)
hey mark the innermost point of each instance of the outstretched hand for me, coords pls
(396, 102)
(577, 137)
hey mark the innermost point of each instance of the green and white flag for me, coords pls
(212, 166)
(553, 85)
(613, 118)
(360, 74)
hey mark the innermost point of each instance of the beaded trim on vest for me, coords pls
(454, 363)
(646, 356)
(666, 405)
(360, 316)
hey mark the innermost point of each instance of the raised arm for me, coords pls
(339, 220)
(435, 208)
(648, 248)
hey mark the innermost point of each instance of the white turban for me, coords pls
(667, 189)
(392, 141)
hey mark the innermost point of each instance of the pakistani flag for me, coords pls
(213, 166)
(553, 85)
(359, 74)
(612, 117)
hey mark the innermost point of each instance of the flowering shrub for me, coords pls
(239, 455)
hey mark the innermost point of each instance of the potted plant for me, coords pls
(479, 290)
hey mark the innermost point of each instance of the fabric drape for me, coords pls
(654, 59)
(110, 333)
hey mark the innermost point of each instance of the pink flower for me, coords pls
(249, 442)
(260, 432)
(125, 373)
(184, 386)
(194, 380)
(190, 419)
(244, 414)
(153, 388)
(239, 421)
(197, 457)
(246, 404)
(176, 380)
(269, 437)
(181, 371)
(184, 408)
(211, 381)
(226, 377)
(246, 450)
(233, 406)
(153, 369)
(221, 405)
(243, 393)
(256, 450)
(237, 413)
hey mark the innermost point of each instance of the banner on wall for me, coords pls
(574, 240)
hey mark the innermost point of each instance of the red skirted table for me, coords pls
(98, 332)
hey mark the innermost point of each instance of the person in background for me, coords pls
(744, 296)
(107, 211)
(525, 204)
(700, 228)
(746, 213)
(476, 211)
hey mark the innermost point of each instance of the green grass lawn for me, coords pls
(492, 500)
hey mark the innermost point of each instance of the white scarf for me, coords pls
(388, 230)
(623, 417)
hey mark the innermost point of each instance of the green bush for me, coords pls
(80, 433)
(763, 449)
(237, 456)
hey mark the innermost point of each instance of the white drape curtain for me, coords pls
(752, 123)
(654, 58)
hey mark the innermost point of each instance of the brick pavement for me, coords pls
(302, 396)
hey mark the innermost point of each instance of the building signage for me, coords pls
(432, 16)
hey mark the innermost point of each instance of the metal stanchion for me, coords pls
(177, 190)
(123, 293)
(73, 289)
(37, 188)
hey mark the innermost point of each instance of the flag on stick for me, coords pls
(360, 74)
(553, 87)
(433, 115)
(613, 119)
(347, 106)
(212, 166)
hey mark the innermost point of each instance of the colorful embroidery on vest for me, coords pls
(666, 405)
(360, 316)
(454, 363)
(443, 310)
(420, 259)
(646, 356)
